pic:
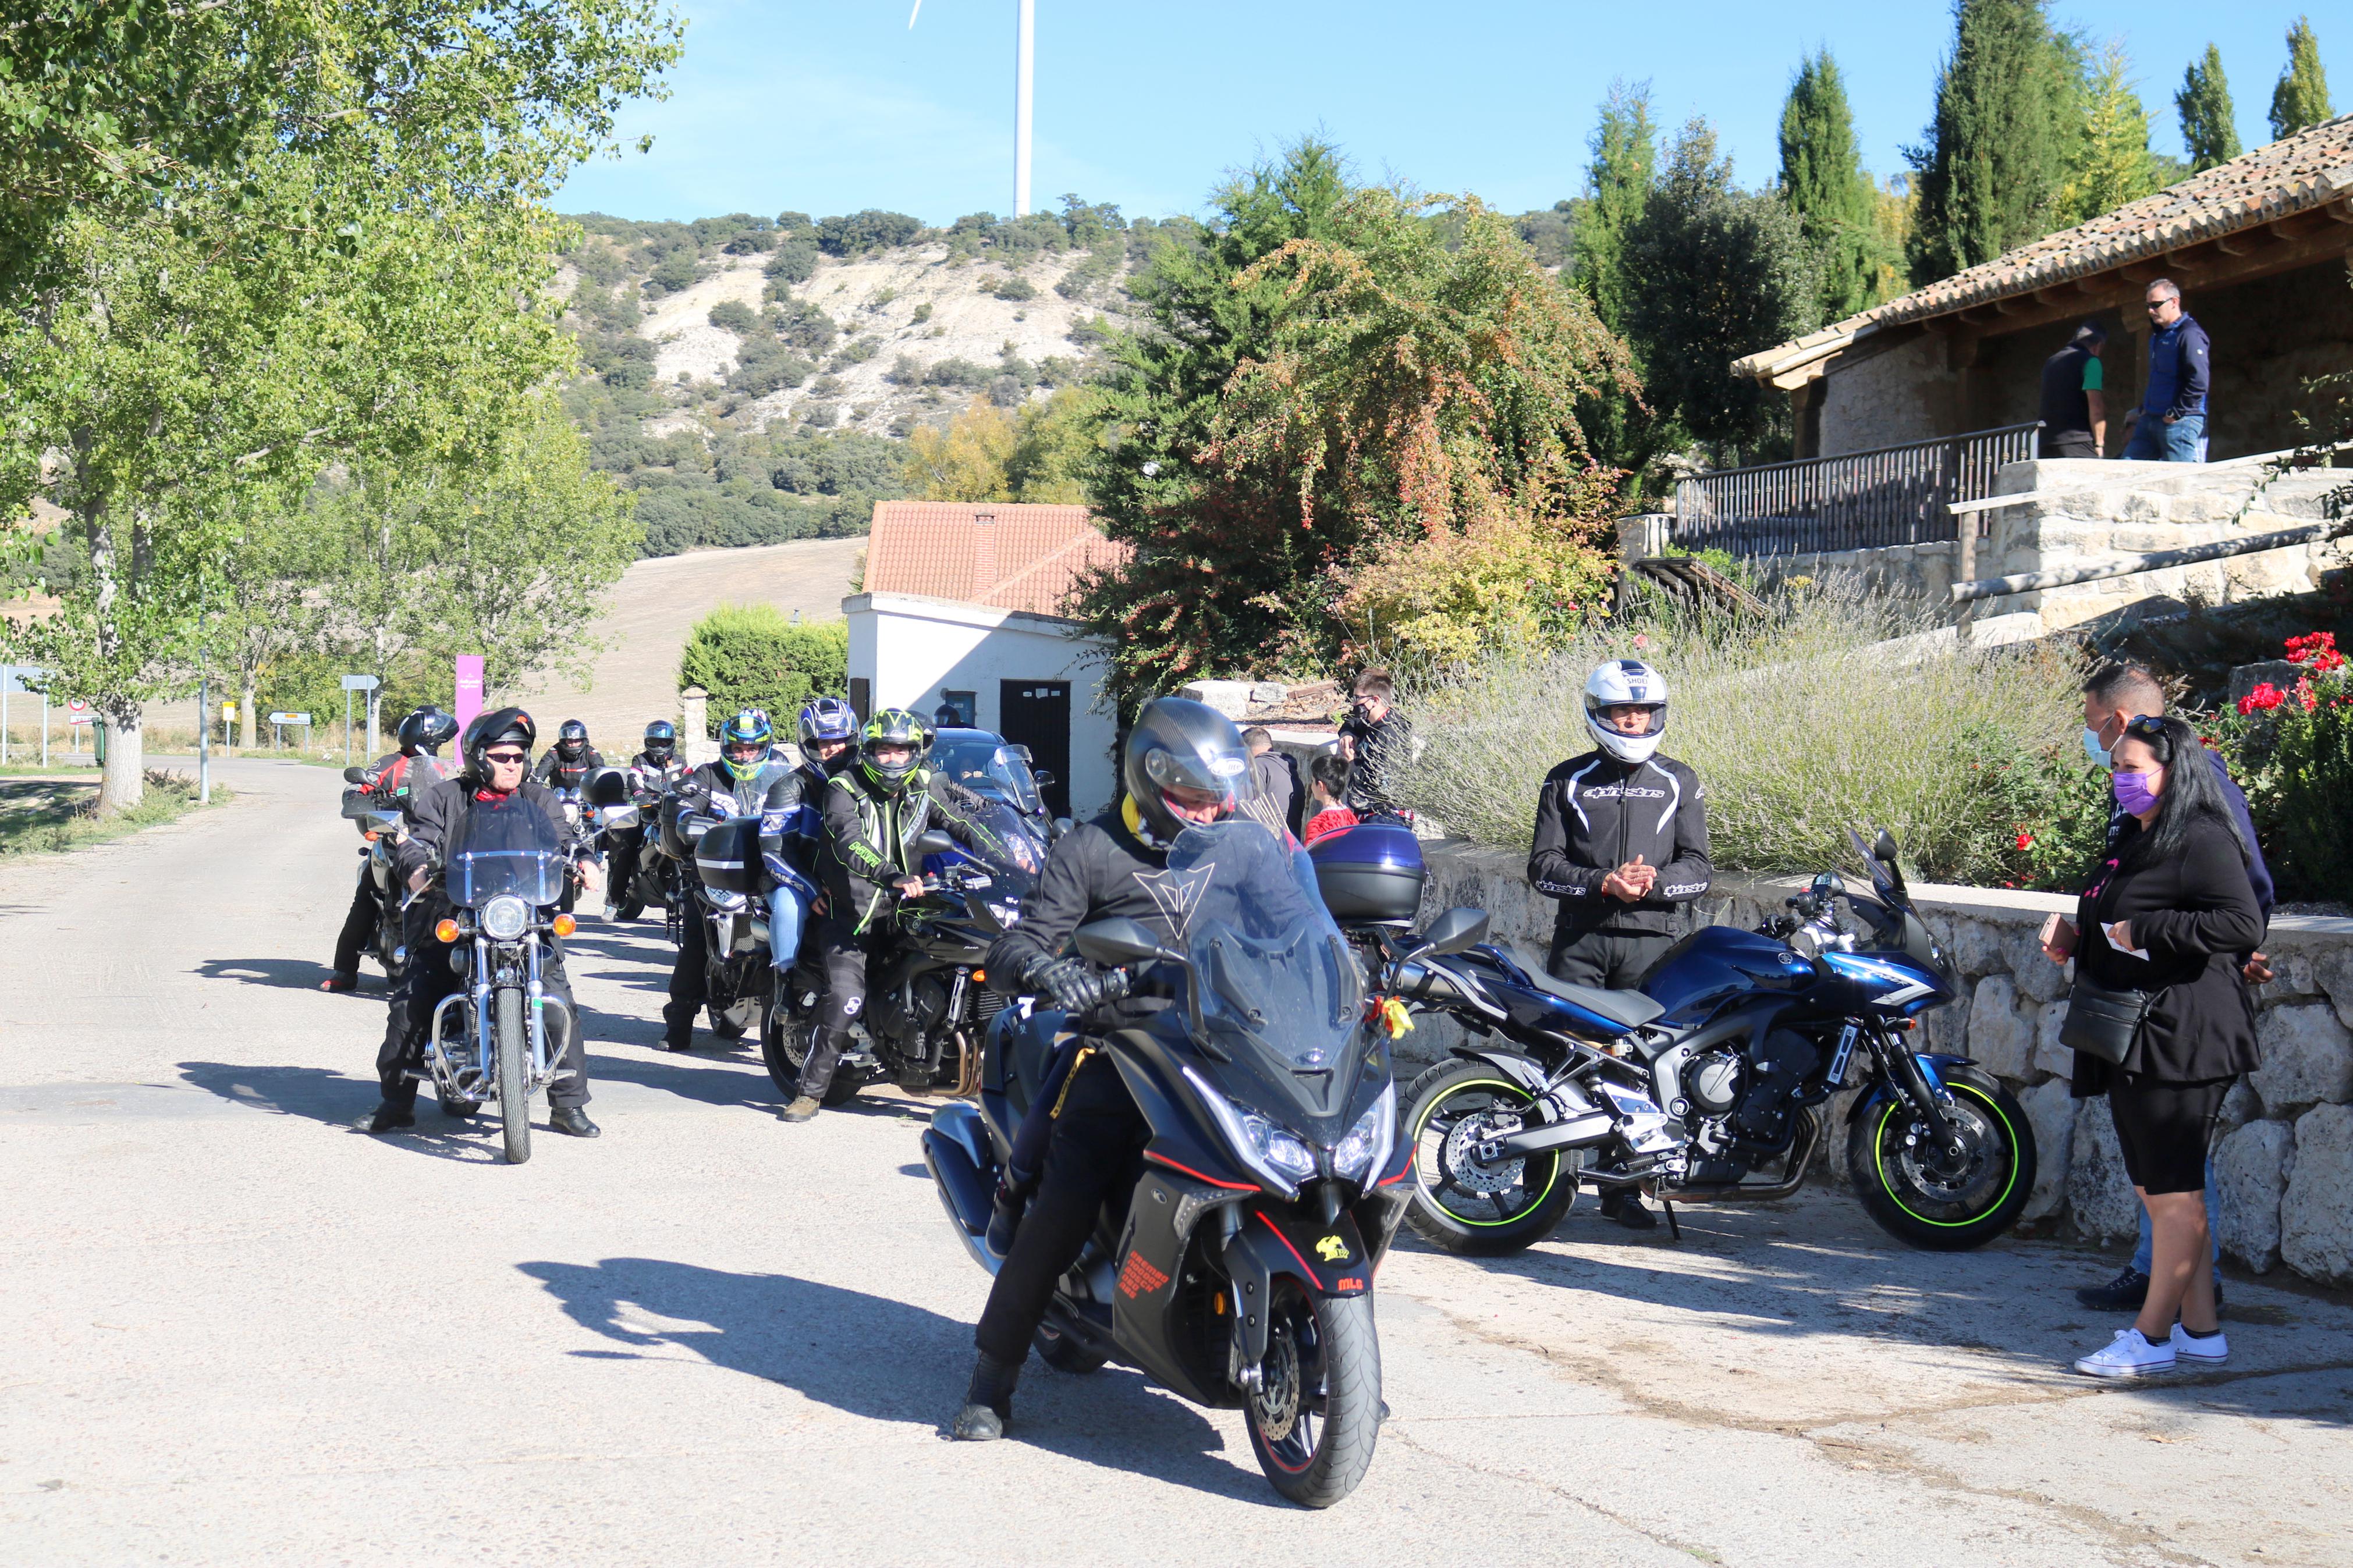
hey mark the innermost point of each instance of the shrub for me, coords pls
(2292, 751)
(752, 656)
(906, 370)
(857, 350)
(795, 261)
(922, 313)
(735, 316)
(675, 272)
(1799, 722)
(1015, 288)
(863, 231)
(1501, 581)
(959, 373)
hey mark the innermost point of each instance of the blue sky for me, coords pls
(826, 106)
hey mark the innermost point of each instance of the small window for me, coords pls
(960, 708)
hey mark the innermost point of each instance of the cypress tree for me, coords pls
(2003, 141)
(1618, 188)
(2301, 98)
(1823, 182)
(2208, 127)
(2114, 166)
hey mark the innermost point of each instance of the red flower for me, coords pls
(2317, 650)
(2263, 698)
(2026, 841)
(2304, 694)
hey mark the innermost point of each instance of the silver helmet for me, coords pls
(1626, 683)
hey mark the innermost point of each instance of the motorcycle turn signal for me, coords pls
(566, 925)
(445, 930)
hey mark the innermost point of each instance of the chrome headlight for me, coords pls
(1368, 1143)
(1272, 1150)
(505, 917)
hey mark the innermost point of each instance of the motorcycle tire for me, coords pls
(1061, 1353)
(514, 1076)
(1317, 1412)
(728, 1022)
(1484, 1221)
(783, 1049)
(1945, 1208)
(629, 912)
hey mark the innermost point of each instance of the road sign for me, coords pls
(78, 711)
(290, 717)
(360, 683)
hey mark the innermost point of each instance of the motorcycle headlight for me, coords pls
(505, 917)
(1273, 1151)
(1367, 1144)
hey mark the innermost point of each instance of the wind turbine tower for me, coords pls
(1025, 74)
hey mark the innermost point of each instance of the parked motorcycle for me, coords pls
(1712, 1073)
(504, 874)
(1238, 1272)
(380, 823)
(928, 1000)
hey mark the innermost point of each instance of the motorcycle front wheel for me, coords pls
(784, 1046)
(1317, 1410)
(514, 1076)
(1460, 1205)
(1935, 1199)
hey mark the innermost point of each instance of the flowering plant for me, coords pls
(2292, 751)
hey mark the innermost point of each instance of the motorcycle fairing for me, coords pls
(1327, 1259)
(1156, 1312)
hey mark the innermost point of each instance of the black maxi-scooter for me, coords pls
(1238, 1271)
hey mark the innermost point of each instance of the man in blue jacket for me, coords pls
(2172, 428)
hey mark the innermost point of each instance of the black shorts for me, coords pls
(2165, 1130)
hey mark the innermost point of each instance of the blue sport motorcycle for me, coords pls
(1710, 1082)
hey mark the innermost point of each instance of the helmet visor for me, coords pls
(1635, 721)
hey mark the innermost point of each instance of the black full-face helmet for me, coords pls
(893, 727)
(572, 741)
(427, 731)
(1186, 745)
(662, 739)
(489, 729)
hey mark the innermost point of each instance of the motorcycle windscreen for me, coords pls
(505, 846)
(1007, 848)
(1280, 992)
(987, 766)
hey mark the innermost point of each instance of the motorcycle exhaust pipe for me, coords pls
(1801, 1155)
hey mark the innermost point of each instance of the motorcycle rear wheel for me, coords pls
(1468, 1210)
(514, 1077)
(1940, 1206)
(627, 911)
(1315, 1417)
(784, 1046)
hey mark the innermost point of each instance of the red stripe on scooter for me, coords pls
(1230, 1186)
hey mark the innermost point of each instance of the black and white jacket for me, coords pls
(1594, 815)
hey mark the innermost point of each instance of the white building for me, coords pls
(959, 610)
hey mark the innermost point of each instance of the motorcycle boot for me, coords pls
(392, 1115)
(573, 1123)
(804, 1108)
(988, 1402)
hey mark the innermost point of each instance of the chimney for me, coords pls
(983, 554)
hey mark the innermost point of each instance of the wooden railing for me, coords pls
(1861, 500)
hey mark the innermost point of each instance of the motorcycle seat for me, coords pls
(1628, 1009)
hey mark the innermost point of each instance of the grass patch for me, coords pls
(46, 813)
(1799, 723)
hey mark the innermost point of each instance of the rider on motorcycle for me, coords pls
(398, 779)
(873, 813)
(746, 781)
(1184, 764)
(497, 753)
(654, 772)
(570, 760)
(828, 736)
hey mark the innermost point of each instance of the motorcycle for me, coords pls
(624, 808)
(1714, 1072)
(380, 824)
(928, 1000)
(1238, 1272)
(505, 875)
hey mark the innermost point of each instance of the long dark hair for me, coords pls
(2193, 791)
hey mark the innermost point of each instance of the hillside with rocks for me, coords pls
(754, 380)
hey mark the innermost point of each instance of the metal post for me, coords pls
(45, 723)
(204, 735)
(347, 726)
(1025, 76)
(7, 680)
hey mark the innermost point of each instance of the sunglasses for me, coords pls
(510, 758)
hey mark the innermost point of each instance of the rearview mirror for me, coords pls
(1456, 931)
(1043, 777)
(619, 816)
(606, 786)
(355, 775)
(1883, 846)
(1115, 942)
(934, 842)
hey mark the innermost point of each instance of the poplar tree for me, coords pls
(2002, 143)
(2301, 98)
(2114, 165)
(1823, 182)
(1618, 188)
(2209, 128)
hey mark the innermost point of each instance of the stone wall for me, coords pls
(2284, 1159)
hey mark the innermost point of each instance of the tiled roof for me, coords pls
(2308, 169)
(1000, 554)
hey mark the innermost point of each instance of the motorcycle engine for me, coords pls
(1711, 1080)
(906, 1014)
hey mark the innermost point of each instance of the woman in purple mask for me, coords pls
(2169, 914)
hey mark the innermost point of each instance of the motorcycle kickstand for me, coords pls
(1675, 1230)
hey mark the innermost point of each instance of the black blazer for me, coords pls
(2193, 916)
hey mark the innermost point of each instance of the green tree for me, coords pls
(2003, 140)
(752, 656)
(2210, 127)
(1616, 187)
(1726, 273)
(1823, 182)
(2112, 165)
(2301, 98)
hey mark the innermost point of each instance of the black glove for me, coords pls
(1072, 984)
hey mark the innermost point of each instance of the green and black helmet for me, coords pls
(893, 727)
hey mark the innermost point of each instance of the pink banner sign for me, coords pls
(469, 689)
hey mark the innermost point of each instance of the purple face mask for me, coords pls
(2132, 791)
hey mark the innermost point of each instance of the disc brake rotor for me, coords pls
(1467, 1173)
(1276, 1404)
(1946, 1178)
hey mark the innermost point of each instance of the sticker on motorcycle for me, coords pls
(1139, 1277)
(1331, 1249)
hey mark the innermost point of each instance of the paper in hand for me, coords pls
(2110, 932)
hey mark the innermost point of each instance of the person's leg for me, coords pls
(788, 906)
(1633, 955)
(2183, 437)
(2142, 1250)
(1581, 960)
(424, 981)
(688, 983)
(843, 952)
(2147, 443)
(2177, 1287)
(622, 869)
(359, 927)
(568, 1089)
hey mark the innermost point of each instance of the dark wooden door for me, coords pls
(1037, 714)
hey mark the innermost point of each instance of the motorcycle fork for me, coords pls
(1904, 1071)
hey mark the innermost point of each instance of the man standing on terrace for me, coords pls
(2074, 399)
(2172, 426)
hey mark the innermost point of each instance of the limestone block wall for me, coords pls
(2282, 1158)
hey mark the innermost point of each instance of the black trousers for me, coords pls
(843, 950)
(621, 867)
(359, 926)
(1613, 960)
(690, 982)
(426, 979)
(1096, 1150)
(2065, 444)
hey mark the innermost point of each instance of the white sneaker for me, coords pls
(2129, 1355)
(2210, 1349)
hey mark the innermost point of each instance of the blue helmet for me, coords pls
(748, 728)
(825, 720)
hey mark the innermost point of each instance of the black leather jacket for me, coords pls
(1595, 814)
(1099, 871)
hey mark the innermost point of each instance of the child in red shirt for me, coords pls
(1327, 782)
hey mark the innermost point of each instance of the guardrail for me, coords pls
(1857, 500)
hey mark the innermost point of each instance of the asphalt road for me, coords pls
(235, 1330)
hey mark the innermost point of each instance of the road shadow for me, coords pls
(886, 1361)
(287, 974)
(338, 1099)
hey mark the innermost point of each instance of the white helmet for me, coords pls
(1626, 683)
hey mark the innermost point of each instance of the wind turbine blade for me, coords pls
(913, 14)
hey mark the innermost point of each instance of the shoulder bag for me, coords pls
(2104, 1021)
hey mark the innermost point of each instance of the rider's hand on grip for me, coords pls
(1075, 986)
